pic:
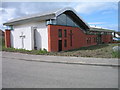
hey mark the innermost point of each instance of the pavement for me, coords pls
(63, 59)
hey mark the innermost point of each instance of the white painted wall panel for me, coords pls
(16, 40)
(41, 36)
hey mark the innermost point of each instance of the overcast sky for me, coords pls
(101, 14)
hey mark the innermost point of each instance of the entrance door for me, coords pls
(35, 46)
(59, 45)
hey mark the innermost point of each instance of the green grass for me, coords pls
(2, 43)
(36, 52)
(116, 54)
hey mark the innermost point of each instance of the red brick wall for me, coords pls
(92, 40)
(107, 38)
(7, 38)
(78, 38)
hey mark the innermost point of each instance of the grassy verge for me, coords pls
(36, 52)
(98, 51)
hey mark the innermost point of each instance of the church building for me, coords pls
(54, 31)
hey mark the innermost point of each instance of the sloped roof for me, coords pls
(29, 17)
(49, 15)
(100, 29)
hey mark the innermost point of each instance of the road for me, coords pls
(29, 74)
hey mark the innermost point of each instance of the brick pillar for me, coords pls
(7, 38)
(49, 38)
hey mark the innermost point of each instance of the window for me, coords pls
(61, 19)
(60, 33)
(110, 33)
(70, 37)
(10, 27)
(90, 39)
(87, 40)
(71, 31)
(94, 39)
(65, 33)
(70, 21)
(105, 33)
(111, 38)
(66, 20)
(51, 21)
(65, 43)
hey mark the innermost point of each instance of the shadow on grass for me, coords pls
(95, 47)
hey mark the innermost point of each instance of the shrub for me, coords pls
(44, 50)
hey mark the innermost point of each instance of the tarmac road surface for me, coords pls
(29, 74)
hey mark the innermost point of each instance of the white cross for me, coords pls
(22, 36)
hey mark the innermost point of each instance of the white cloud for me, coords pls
(1, 9)
(10, 10)
(89, 7)
(86, 7)
(106, 26)
(13, 10)
(7, 14)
